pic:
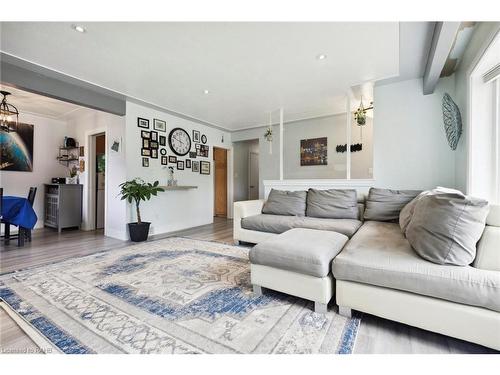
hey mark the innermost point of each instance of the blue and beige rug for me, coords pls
(170, 296)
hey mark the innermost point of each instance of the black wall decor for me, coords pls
(354, 147)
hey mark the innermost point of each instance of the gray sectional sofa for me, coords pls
(372, 267)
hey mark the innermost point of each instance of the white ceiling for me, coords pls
(249, 68)
(27, 102)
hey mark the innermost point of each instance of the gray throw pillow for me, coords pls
(332, 204)
(289, 203)
(386, 204)
(445, 228)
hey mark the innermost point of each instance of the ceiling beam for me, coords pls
(442, 42)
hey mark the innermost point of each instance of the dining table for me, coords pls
(17, 211)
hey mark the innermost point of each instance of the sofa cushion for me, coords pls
(306, 251)
(445, 228)
(289, 203)
(488, 250)
(386, 204)
(332, 204)
(378, 254)
(269, 223)
(344, 226)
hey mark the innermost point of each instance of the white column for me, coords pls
(348, 137)
(281, 143)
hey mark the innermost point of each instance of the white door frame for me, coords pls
(90, 179)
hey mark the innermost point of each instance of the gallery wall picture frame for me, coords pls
(145, 134)
(163, 140)
(159, 125)
(197, 146)
(163, 151)
(164, 160)
(192, 154)
(154, 153)
(203, 139)
(188, 163)
(82, 151)
(204, 167)
(172, 159)
(145, 143)
(195, 166)
(153, 144)
(142, 123)
(180, 165)
(196, 136)
(145, 162)
(154, 136)
(145, 152)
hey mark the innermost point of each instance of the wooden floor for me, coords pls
(376, 335)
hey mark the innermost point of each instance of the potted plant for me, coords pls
(136, 191)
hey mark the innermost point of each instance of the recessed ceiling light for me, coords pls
(321, 57)
(78, 28)
(206, 92)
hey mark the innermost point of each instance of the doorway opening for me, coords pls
(246, 183)
(220, 182)
(100, 176)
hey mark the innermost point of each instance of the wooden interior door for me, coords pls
(220, 182)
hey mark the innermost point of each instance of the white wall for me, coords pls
(410, 146)
(81, 125)
(47, 138)
(173, 210)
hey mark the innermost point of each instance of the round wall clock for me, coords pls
(179, 141)
(203, 139)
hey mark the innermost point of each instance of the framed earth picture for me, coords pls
(142, 123)
(159, 125)
(204, 167)
(16, 149)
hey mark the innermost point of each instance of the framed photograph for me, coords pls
(145, 152)
(203, 139)
(153, 144)
(196, 136)
(82, 151)
(180, 165)
(159, 125)
(195, 166)
(145, 134)
(154, 153)
(163, 151)
(163, 140)
(154, 136)
(192, 154)
(142, 123)
(204, 167)
(164, 160)
(145, 162)
(314, 151)
(172, 159)
(188, 163)
(145, 143)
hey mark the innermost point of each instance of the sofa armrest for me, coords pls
(245, 209)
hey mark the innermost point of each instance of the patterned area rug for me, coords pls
(170, 296)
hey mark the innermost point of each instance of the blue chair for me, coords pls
(24, 233)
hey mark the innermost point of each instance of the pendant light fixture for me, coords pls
(9, 115)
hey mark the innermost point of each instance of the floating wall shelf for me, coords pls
(180, 187)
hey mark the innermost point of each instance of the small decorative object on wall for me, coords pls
(163, 151)
(204, 167)
(195, 166)
(82, 151)
(145, 152)
(197, 146)
(159, 125)
(179, 141)
(452, 121)
(188, 163)
(164, 160)
(163, 140)
(145, 143)
(268, 135)
(171, 181)
(192, 154)
(16, 148)
(142, 123)
(82, 165)
(145, 162)
(154, 136)
(145, 134)
(154, 153)
(203, 139)
(180, 165)
(314, 151)
(196, 136)
(354, 147)
(172, 159)
(115, 146)
(153, 144)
